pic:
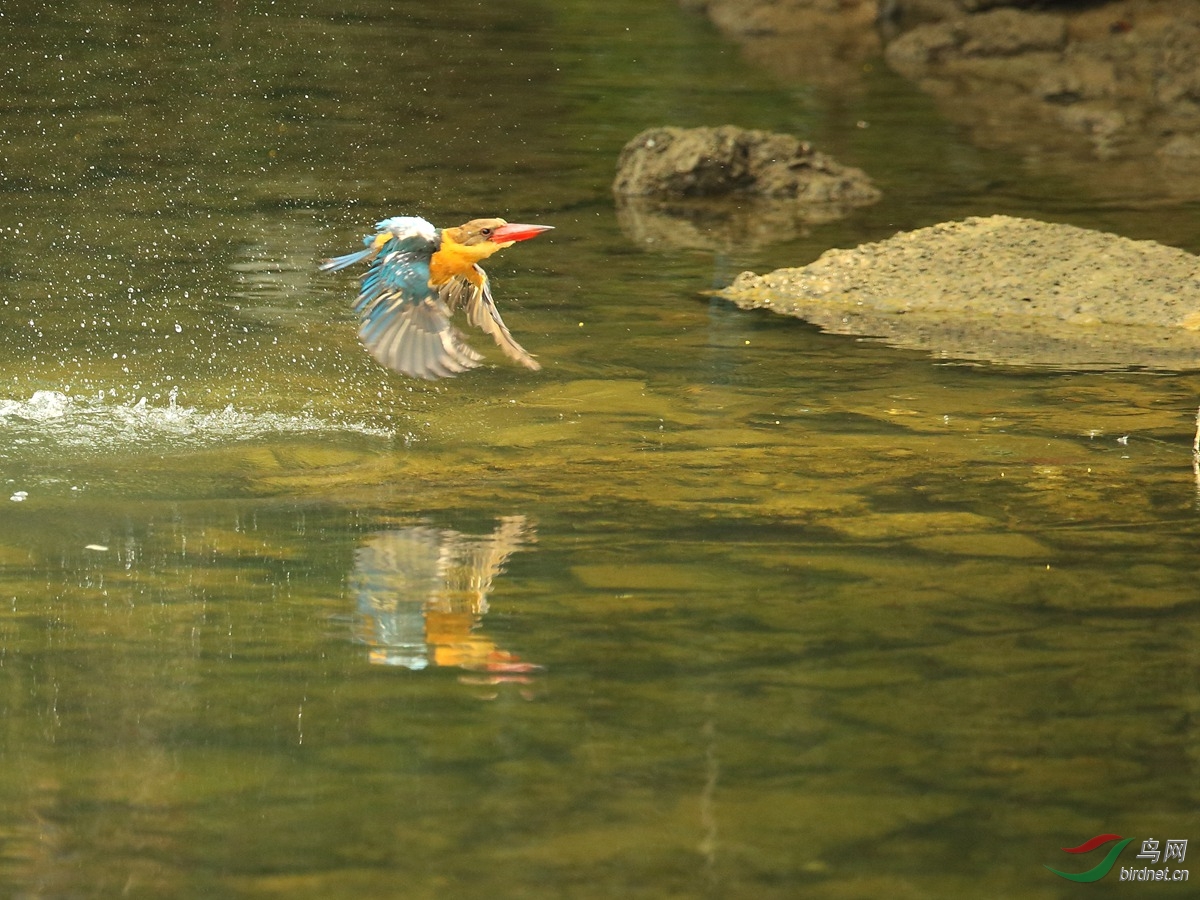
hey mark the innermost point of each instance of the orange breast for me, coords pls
(458, 259)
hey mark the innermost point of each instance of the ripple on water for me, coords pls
(52, 419)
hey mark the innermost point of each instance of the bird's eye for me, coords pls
(485, 231)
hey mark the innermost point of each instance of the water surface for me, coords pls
(713, 605)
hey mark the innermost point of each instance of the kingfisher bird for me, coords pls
(419, 276)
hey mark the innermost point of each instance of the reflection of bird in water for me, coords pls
(422, 594)
(418, 277)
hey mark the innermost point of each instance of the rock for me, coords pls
(1118, 82)
(1182, 146)
(707, 162)
(1007, 290)
(1010, 72)
(999, 32)
(919, 10)
(673, 188)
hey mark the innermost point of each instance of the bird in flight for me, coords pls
(419, 276)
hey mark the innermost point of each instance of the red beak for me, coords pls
(514, 232)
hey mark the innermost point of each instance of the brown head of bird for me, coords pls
(469, 244)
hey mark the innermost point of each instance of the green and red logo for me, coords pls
(1174, 850)
(1101, 868)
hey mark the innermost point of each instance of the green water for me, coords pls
(712, 606)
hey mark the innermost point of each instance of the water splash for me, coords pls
(53, 419)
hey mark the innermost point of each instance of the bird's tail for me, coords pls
(341, 262)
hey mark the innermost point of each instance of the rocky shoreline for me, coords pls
(1116, 83)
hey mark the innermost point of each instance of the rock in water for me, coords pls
(707, 162)
(1002, 289)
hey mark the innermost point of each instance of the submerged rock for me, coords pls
(1002, 289)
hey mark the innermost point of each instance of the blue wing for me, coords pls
(403, 322)
(395, 272)
(414, 336)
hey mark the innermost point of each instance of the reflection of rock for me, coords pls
(717, 225)
(712, 162)
(823, 42)
(422, 593)
(1002, 289)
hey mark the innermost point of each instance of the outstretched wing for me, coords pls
(475, 298)
(414, 336)
(402, 321)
